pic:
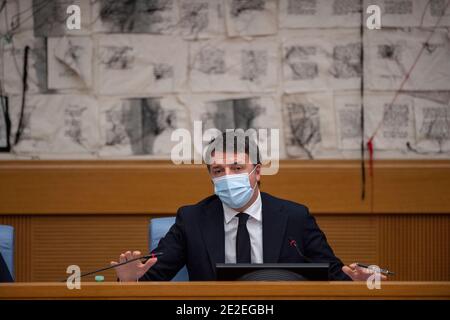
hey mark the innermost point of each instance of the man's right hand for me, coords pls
(134, 270)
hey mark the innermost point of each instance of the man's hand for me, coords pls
(134, 270)
(358, 273)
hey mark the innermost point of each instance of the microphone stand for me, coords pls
(293, 243)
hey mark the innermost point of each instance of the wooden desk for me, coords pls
(227, 290)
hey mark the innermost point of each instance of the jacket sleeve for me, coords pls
(318, 250)
(173, 245)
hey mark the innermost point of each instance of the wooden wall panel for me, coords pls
(117, 187)
(88, 241)
(23, 231)
(96, 187)
(417, 247)
(87, 212)
(353, 238)
(411, 187)
(325, 187)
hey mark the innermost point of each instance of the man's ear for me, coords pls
(258, 169)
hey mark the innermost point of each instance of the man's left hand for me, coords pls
(358, 273)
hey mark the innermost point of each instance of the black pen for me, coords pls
(383, 271)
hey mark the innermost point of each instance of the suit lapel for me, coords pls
(213, 231)
(274, 226)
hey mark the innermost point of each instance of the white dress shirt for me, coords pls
(254, 227)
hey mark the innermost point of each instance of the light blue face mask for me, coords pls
(234, 189)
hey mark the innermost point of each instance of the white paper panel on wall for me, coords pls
(139, 70)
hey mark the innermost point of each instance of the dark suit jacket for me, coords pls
(197, 239)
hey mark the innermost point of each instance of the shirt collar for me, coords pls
(253, 211)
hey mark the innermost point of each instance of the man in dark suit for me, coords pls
(239, 224)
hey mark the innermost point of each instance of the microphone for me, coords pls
(293, 243)
(149, 256)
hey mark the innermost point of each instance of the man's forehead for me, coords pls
(229, 158)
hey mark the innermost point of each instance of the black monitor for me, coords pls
(272, 272)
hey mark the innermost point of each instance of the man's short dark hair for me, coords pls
(235, 141)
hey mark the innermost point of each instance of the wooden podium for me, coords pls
(227, 290)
